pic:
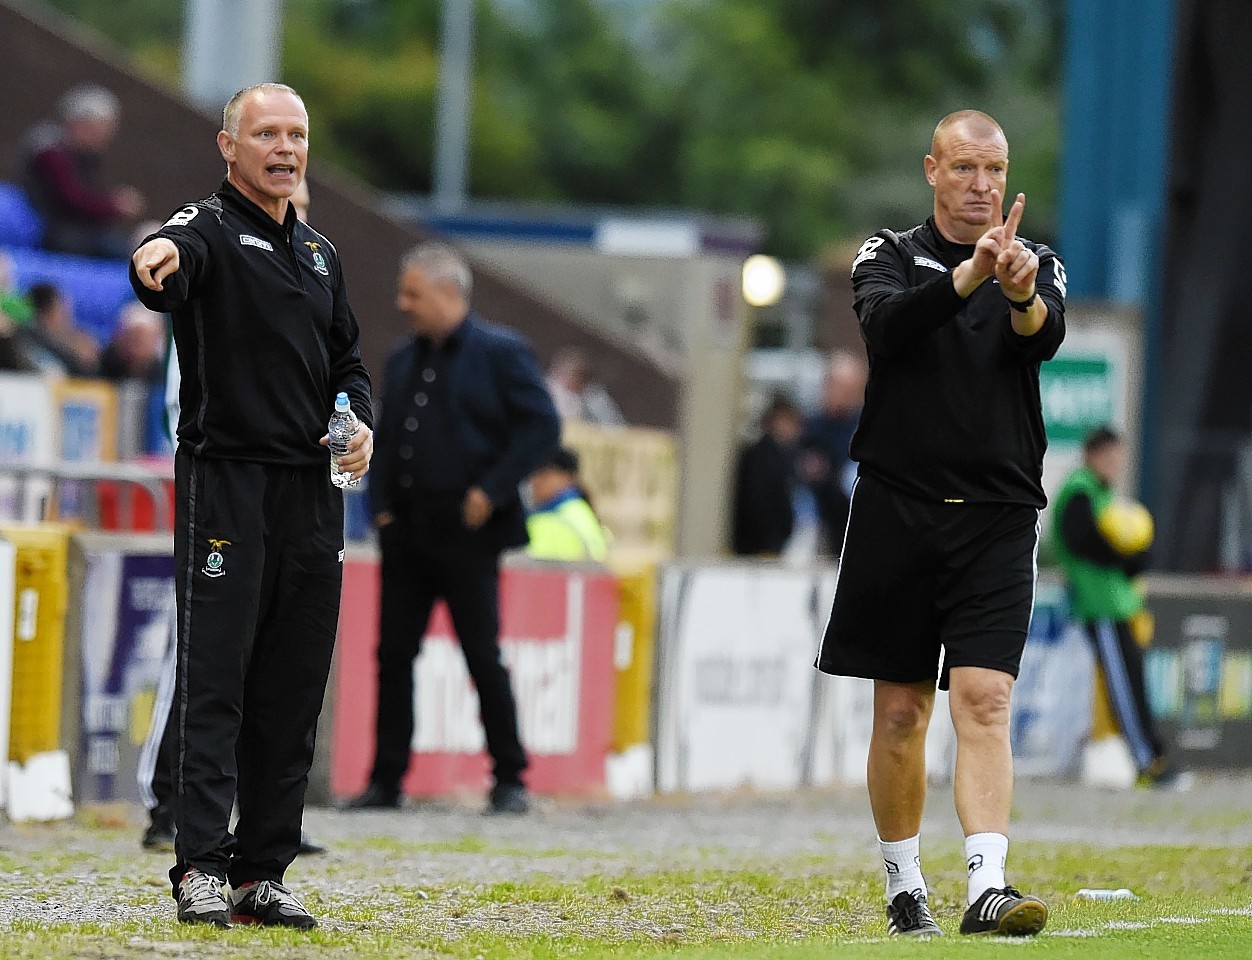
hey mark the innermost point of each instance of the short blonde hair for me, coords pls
(234, 106)
(975, 120)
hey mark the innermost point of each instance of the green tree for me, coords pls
(809, 115)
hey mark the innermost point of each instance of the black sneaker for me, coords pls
(508, 798)
(270, 903)
(159, 834)
(375, 797)
(908, 915)
(202, 899)
(1007, 911)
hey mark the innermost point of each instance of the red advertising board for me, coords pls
(557, 626)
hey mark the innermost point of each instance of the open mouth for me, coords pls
(281, 170)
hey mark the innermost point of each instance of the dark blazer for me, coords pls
(504, 420)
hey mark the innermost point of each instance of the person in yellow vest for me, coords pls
(562, 524)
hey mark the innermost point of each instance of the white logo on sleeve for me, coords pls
(248, 240)
(183, 217)
(1058, 277)
(933, 264)
(868, 251)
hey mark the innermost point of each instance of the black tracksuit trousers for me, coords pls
(258, 552)
(421, 564)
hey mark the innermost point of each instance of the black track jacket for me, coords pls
(264, 333)
(952, 409)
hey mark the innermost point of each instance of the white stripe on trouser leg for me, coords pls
(1118, 683)
(151, 749)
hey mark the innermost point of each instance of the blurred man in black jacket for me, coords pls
(466, 417)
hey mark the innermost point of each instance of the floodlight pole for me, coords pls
(228, 45)
(452, 108)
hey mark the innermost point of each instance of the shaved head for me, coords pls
(972, 123)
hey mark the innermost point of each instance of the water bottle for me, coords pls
(1087, 893)
(342, 426)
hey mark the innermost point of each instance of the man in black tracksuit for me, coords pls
(939, 551)
(265, 339)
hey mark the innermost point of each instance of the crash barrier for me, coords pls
(1198, 669)
(731, 700)
(119, 626)
(557, 626)
(8, 578)
(739, 703)
(125, 496)
(59, 442)
(41, 591)
(631, 764)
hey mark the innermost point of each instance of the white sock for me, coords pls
(902, 860)
(985, 854)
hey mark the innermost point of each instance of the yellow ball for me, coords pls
(1127, 526)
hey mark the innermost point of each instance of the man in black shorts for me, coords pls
(938, 560)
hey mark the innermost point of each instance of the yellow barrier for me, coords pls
(632, 657)
(41, 593)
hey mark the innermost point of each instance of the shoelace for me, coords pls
(914, 912)
(201, 891)
(268, 891)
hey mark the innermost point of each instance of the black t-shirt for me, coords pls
(952, 409)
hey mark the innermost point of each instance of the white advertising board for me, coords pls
(739, 702)
(27, 436)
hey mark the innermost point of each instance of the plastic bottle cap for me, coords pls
(341, 402)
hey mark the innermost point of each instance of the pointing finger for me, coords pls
(1015, 218)
(997, 214)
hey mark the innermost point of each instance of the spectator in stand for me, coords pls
(63, 178)
(562, 523)
(765, 482)
(576, 395)
(825, 464)
(52, 341)
(12, 354)
(136, 350)
(12, 304)
(14, 311)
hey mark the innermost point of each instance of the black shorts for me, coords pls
(917, 577)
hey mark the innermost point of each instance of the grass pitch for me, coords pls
(456, 885)
(746, 876)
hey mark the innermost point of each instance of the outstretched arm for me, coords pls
(154, 261)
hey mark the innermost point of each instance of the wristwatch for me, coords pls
(1021, 306)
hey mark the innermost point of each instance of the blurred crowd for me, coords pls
(38, 334)
(60, 173)
(793, 482)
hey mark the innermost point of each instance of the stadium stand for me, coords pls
(20, 225)
(98, 289)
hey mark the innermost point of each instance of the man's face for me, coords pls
(93, 134)
(268, 155)
(1108, 462)
(966, 166)
(433, 309)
